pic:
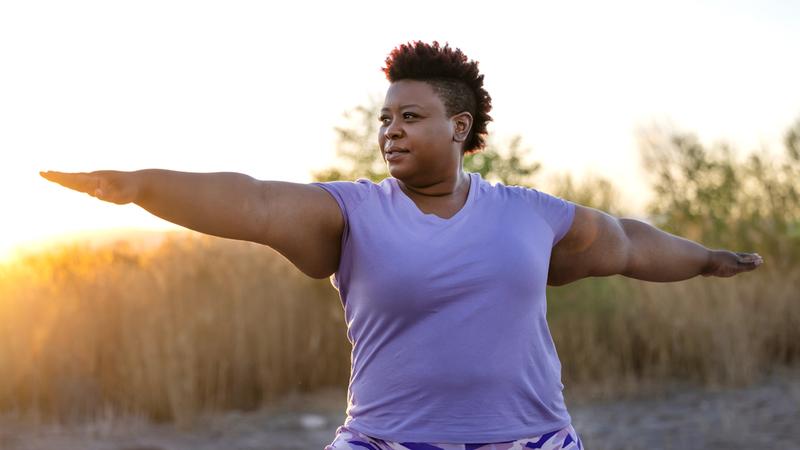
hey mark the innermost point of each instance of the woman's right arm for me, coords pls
(301, 221)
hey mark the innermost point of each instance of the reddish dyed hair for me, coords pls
(452, 76)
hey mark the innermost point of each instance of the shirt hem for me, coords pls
(461, 438)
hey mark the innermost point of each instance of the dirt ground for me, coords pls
(765, 415)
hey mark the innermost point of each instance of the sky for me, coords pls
(257, 87)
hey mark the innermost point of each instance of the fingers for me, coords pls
(82, 182)
(727, 264)
(749, 259)
(107, 185)
(744, 262)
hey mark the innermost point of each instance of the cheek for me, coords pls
(438, 137)
(382, 132)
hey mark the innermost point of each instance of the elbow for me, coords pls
(624, 260)
(626, 263)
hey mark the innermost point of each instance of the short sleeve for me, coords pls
(557, 212)
(349, 195)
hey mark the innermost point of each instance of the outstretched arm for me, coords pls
(599, 244)
(303, 222)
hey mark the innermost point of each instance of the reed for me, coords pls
(199, 324)
(195, 324)
(617, 336)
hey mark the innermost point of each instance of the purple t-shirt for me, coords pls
(447, 316)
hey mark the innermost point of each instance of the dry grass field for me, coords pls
(199, 324)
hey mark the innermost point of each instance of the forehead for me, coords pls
(406, 92)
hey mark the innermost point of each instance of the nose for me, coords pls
(394, 130)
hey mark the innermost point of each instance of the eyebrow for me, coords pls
(405, 106)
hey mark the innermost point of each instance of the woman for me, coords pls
(442, 275)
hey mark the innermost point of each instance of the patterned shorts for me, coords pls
(349, 439)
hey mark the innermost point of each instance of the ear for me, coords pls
(462, 123)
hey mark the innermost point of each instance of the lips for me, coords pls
(393, 153)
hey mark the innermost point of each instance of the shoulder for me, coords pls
(497, 191)
(351, 194)
(539, 200)
(359, 185)
(557, 212)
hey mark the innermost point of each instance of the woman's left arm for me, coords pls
(599, 244)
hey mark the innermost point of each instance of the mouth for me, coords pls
(392, 153)
(395, 155)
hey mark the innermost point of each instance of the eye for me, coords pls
(383, 120)
(409, 115)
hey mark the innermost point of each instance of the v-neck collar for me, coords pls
(433, 217)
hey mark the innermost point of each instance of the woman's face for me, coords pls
(416, 136)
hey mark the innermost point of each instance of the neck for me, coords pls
(449, 186)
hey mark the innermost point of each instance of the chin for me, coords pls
(409, 177)
(398, 173)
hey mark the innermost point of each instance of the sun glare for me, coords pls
(11, 250)
(238, 99)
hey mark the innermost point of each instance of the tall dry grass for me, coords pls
(199, 324)
(620, 335)
(195, 324)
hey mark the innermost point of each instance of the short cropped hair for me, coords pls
(453, 77)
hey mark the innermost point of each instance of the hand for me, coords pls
(722, 263)
(108, 185)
